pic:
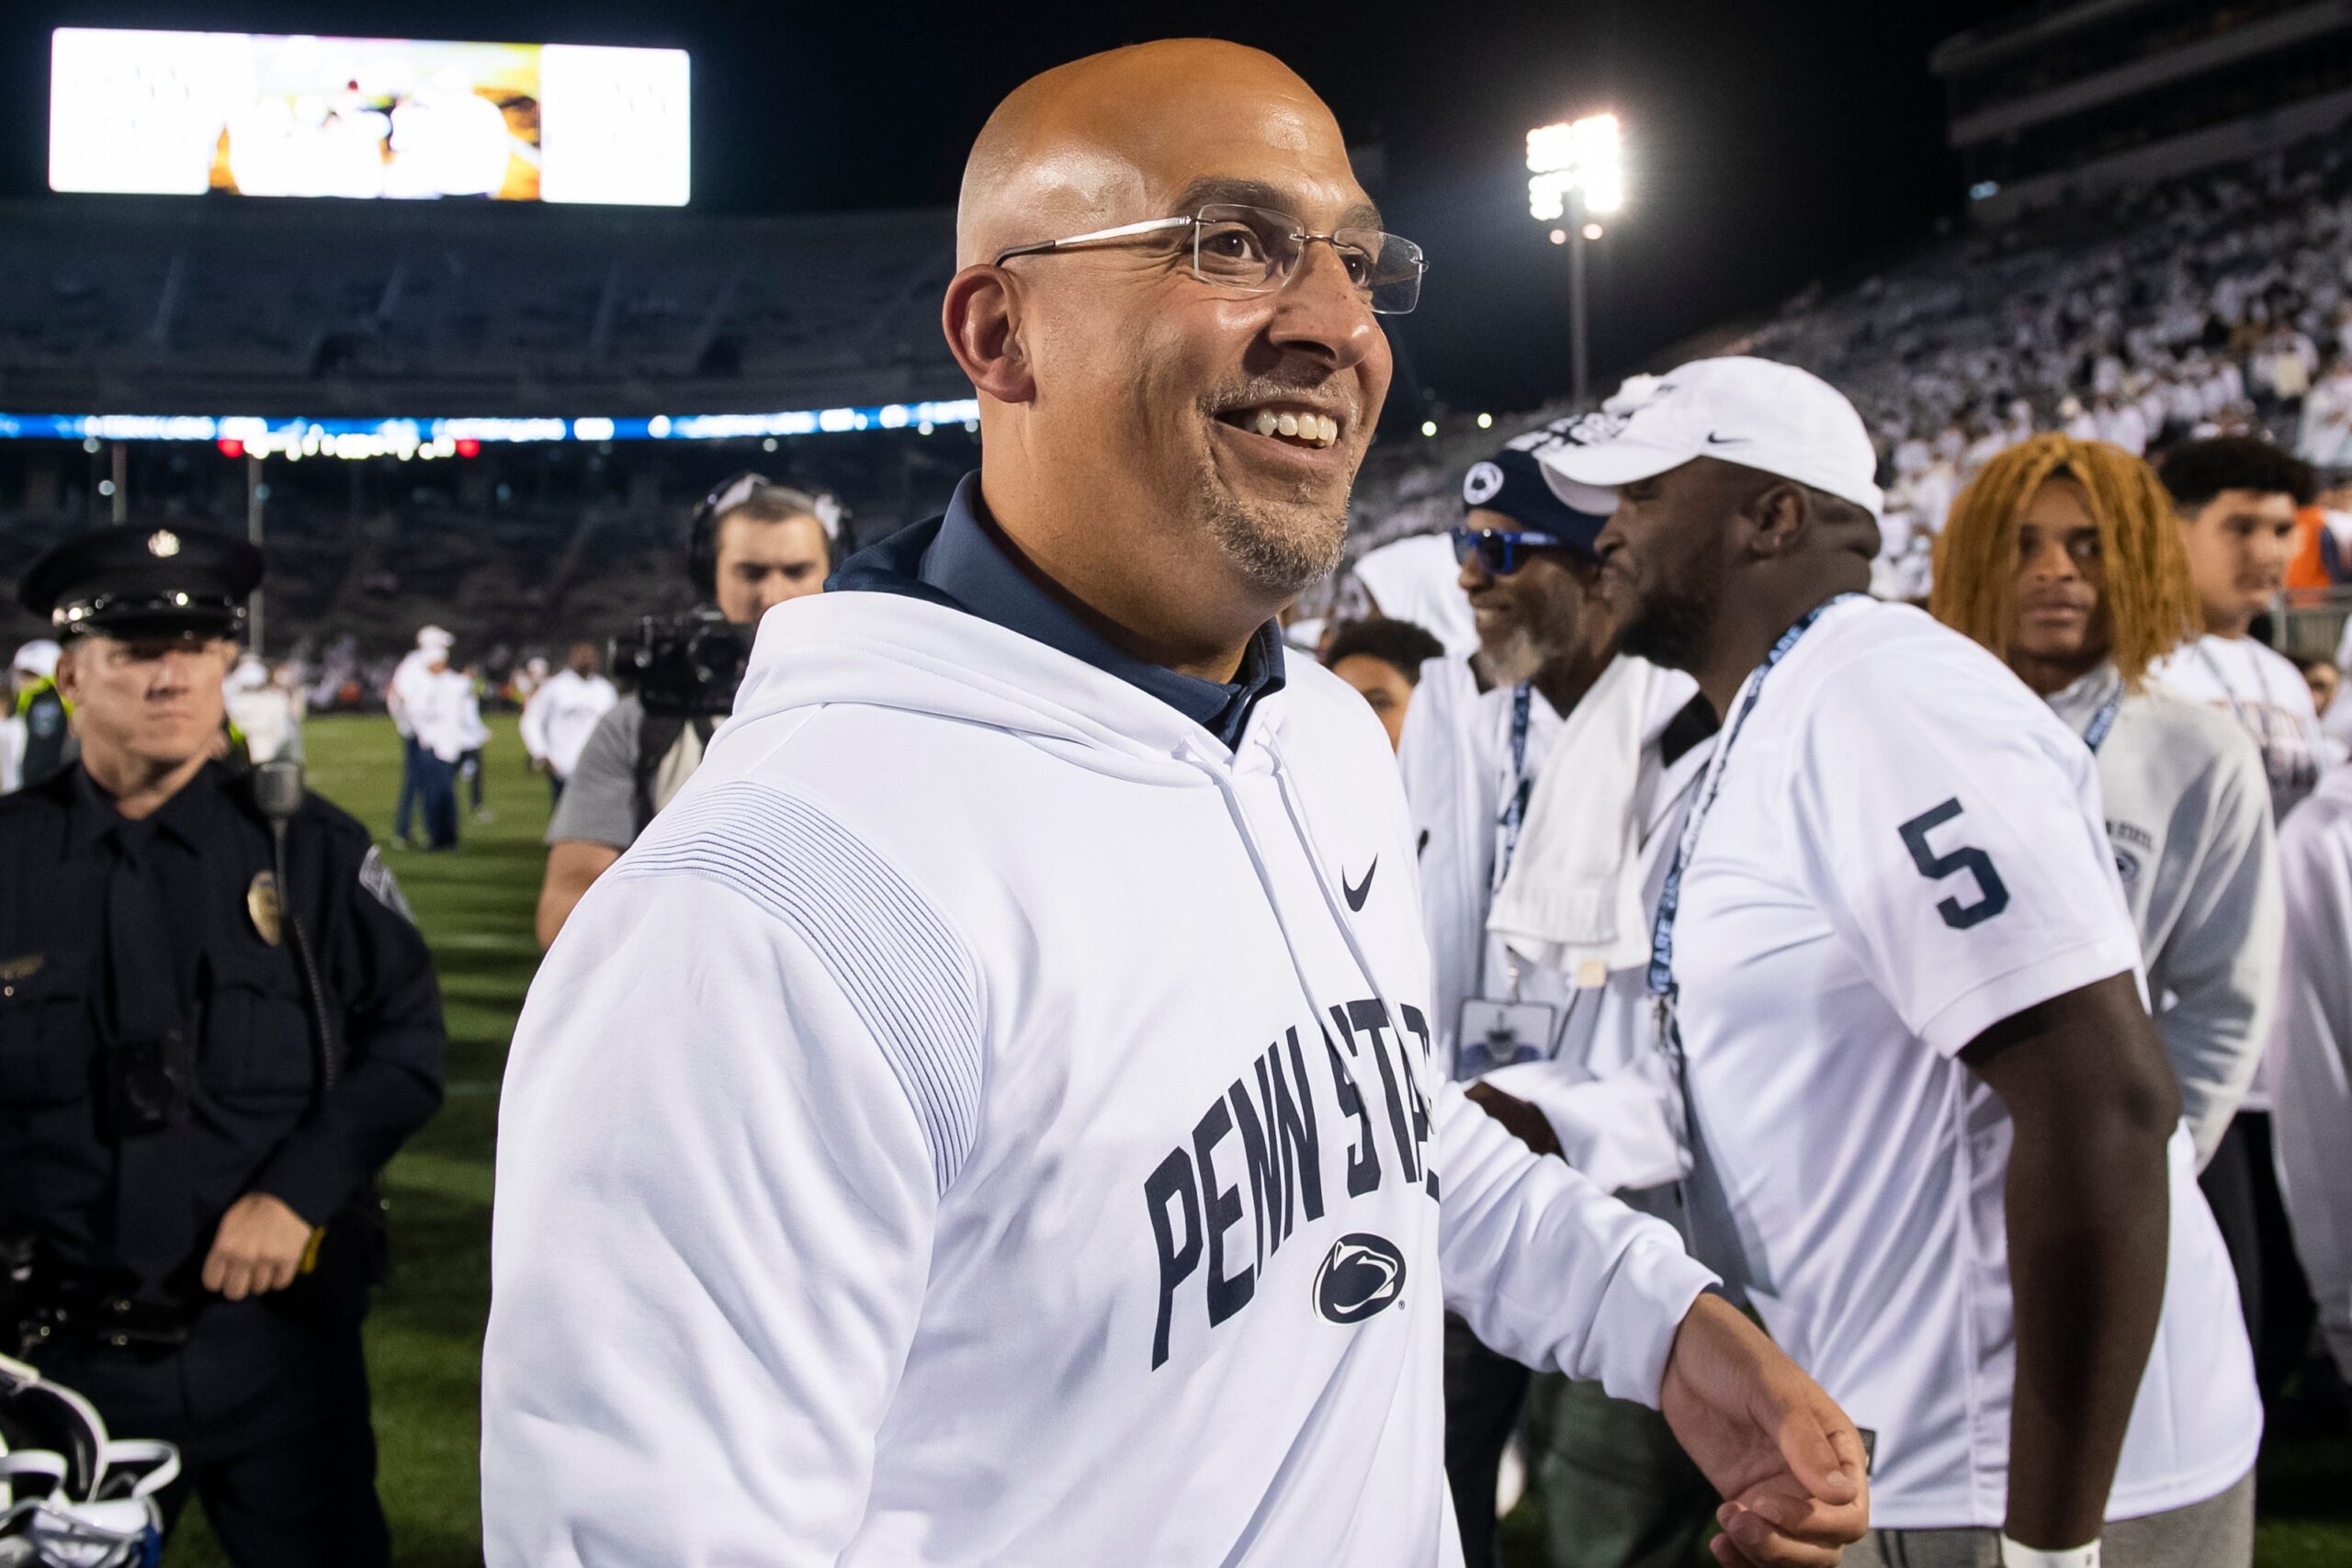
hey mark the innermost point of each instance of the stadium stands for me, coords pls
(2134, 315)
(144, 305)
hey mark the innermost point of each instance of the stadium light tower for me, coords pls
(1576, 173)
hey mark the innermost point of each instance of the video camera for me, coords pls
(684, 665)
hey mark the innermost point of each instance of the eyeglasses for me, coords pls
(1503, 551)
(1254, 250)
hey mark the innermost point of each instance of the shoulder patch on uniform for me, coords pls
(378, 878)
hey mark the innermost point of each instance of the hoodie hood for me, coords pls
(908, 647)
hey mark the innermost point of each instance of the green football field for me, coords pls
(424, 1339)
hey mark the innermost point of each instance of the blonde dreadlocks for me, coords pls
(2149, 600)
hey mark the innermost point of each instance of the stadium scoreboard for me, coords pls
(253, 114)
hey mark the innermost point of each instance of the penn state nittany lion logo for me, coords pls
(1360, 1276)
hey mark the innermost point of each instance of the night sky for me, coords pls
(1770, 143)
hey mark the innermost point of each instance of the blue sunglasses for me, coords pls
(1503, 551)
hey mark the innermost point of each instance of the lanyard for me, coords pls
(1670, 899)
(2104, 720)
(2213, 668)
(1515, 813)
(1514, 817)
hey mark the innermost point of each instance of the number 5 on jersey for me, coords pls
(1993, 895)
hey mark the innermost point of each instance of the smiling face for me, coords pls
(2060, 622)
(1665, 556)
(1186, 416)
(1548, 608)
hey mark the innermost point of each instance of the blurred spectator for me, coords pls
(2311, 1053)
(263, 711)
(437, 702)
(2326, 682)
(1414, 579)
(404, 693)
(41, 739)
(1382, 658)
(563, 713)
(2237, 498)
(476, 735)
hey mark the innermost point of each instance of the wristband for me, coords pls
(2016, 1555)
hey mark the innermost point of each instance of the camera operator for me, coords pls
(753, 544)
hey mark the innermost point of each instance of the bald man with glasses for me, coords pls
(991, 1117)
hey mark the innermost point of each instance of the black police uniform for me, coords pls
(159, 1060)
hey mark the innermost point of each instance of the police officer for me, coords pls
(208, 1050)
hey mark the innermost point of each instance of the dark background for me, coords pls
(1771, 143)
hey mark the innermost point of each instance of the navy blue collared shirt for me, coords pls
(962, 560)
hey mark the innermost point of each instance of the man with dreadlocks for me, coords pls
(2064, 558)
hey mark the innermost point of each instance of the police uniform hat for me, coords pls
(133, 581)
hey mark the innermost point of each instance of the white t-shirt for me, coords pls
(1906, 847)
(2269, 698)
(562, 714)
(2311, 1053)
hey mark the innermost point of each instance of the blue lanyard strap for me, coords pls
(2104, 720)
(1670, 899)
(1515, 812)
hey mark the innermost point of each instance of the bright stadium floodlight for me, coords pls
(1576, 171)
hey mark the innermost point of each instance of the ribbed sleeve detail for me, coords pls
(911, 981)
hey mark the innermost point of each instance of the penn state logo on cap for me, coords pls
(1362, 1275)
(1481, 484)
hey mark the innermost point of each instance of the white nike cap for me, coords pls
(433, 637)
(1756, 412)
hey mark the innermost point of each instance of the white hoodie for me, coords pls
(985, 1122)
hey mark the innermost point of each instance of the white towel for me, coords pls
(1572, 899)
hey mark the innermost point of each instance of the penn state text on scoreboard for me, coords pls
(140, 112)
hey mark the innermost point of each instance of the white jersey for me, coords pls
(438, 709)
(2310, 1052)
(2188, 813)
(1051, 1170)
(407, 689)
(2268, 697)
(560, 716)
(1907, 848)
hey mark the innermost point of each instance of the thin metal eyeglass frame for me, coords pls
(1194, 222)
